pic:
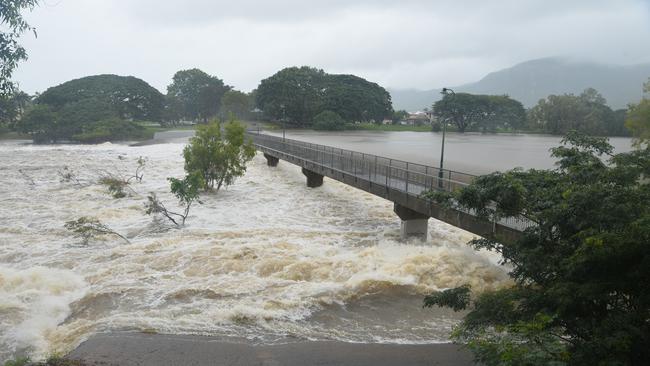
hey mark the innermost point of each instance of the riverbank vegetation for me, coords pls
(581, 271)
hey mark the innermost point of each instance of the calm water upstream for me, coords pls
(267, 259)
(470, 152)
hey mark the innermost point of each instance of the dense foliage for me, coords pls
(125, 96)
(638, 117)
(581, 293)
(198, 94)
(480, 112)
(12, 25)
(12, 107)
(328, 121)
(93, 109)
(298, 94)
(587, 113)
(237, 104)
(218, 155)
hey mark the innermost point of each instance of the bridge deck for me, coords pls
(398, 181)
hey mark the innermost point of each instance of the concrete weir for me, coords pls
(414, 224)
(314, 179)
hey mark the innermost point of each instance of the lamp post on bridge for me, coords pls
(284, 117)
(445, 92)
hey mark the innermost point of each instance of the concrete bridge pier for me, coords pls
(414, 224)
(313, 179)
(271, 160)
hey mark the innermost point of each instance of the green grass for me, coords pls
(14, 136)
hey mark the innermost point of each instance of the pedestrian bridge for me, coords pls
(398, 181)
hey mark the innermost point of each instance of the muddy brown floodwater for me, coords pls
(267, 259)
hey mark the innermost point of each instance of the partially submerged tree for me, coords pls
(116, 185)
(187, 192)
(581, 272)
(218, 155)
(90, 227)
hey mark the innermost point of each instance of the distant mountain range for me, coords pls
(533, 80)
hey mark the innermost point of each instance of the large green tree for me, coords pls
(581, 271)
(127, 96)
(199, 93)
(356, 99)
(587, 113)
(12, 26)
(298, 94)
(638, 117)
(480, 112)
(293, 94)
(76, 107)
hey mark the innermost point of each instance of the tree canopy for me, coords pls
(638, 117)
(11, 52)
(587, 113)
(83, 110)
(237, 104)
(480, 112)
(328, 121)
(581, 272)
(218, 155)
(199, 94)
(298, 94)
(12, 107)
(126, 96)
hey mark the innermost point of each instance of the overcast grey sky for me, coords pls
(420, 44)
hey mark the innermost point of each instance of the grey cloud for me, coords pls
(408, 43)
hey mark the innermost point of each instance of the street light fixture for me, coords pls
(445, 92)
(284, 117)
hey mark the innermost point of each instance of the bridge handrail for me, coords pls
(298, 142)
(374, 160)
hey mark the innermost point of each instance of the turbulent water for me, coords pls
(268, 259)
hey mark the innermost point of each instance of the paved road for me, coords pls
(131, 349)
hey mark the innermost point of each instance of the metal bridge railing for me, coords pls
(411, 178)
(404, 176)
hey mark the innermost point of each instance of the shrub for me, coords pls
(218, 155)
(328, 121)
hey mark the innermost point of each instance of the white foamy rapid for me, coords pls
(266, 259)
